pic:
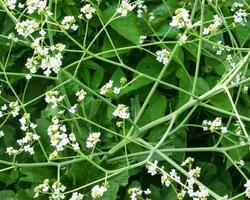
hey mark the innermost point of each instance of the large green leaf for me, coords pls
(126, 26)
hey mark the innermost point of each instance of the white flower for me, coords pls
(117, 90)
(72, 109)
(81, 95)
(33, 5)
(213, 27)
(182, 39)
(124, 8)
(147, 191)
(93, 139)
(53, 97)
(247, 186)
(121, 111)
(134, 192)
(1, 134)
(28, 148)
(15, 108)
(165, 180)
(142, 38)
(75, 146)
(152, 168)
(27, 27)
(141, 8)
(11, 151)
(188, 161)
(11, 4)
(68, 22)
(76, 196)
(181, 18)
(105, 88)
(162, 56)
(88, 11)
(98, 191)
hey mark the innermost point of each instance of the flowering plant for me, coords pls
(124, 99)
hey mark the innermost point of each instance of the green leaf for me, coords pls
(149, 66)
(91, 73)
(36, 176)
(221, 101)
(118, 42)
(243, 33)
(156, 109)
(7, 195)
(125, 26)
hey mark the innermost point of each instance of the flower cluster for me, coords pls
(152, 168)
(136, 193)
(59, 138)
(53, 97)
(36, 5)
(181, 19)
(212, 28)
(15, 108)
(121, 111)
(27, 27)
(76, 196)
(182, 39)
(218, 48)
(1, 134)
(87, 11)
(68, 22)
(55, 191)
(80, 95)
(142, 38)
(97, 191)
(124, 8)
(11, 4)
(108, 87)
(215, 125)
(93, 139)
(140, 8)
(188, 189)
(25, 122)
(247, 186)
(49, 59)
(240, 14)
(162, 56)
(26, 144)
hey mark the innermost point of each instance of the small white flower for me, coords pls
(68, 22)
(98, 191)
(142, 38)
(162, 56)
(72, 109)
(76, 196)
(88, 11)
(121, 111)
(117, 90)
(36, 5)
(182, 39)
(76, 146)
(27, 27)
(152, 168)
(181, 18)
(165, 180)
(1, 134)
(53, 97)
(247, 186)
(124, 8)
(93, 139)
(147, 191)
(107, 87)
(81, 95)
